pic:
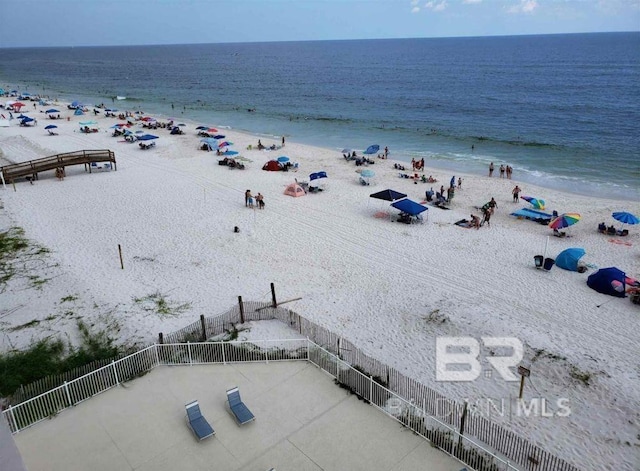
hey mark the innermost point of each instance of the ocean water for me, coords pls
(562, 110)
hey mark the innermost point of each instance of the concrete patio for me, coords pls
(303, 422)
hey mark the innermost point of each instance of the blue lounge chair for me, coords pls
(238, 408)
(197, 423)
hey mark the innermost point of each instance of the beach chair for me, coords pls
(197, 423)
(240, 411)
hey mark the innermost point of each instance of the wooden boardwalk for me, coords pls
(10, 173)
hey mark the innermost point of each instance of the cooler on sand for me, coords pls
(538, 259)
(548, 263)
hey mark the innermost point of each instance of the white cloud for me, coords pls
(436, 5)
(468, 2)
(415, 9)
(525, 6)
(414, 2)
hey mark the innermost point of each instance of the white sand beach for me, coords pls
(388, 287)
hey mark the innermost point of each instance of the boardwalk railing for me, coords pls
(12, 172)
(445, 412)
(71, 393)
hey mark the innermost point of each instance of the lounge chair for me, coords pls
(240, 411)
(197, 423)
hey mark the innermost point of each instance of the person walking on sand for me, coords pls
(516, 193)
(491, 169)
(282, 141)
(260, 200)
(459, 183)
(247, 195)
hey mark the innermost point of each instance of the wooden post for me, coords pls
(14, 185)
(241, 309)
(463, 419)
(160, 338)
(204, 328)
(274, 303)
(120, 252)
(523, 372)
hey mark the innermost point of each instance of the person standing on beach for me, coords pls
(386, 152)
(459, 183)
(516, 193)
(491, 169)
(247, 195)
(282, 141)
(260, 200)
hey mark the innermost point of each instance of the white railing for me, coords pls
(70, 393)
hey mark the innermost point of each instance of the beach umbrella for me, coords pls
(218, 136)
(230, 152)
(317, 175)
(26, 119)
(52, 111)
(51, 126)
(147, 137)
(625, 218)
(209, 140)
(180, 124)
(17, 105)
(283, 159)
(535, 202)
(367, 173)
(564, 220)
(568, 258)
(212, 130)
(201, 128)
(372, 149)
(225, 144)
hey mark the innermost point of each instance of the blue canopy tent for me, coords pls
(410, 210)
(609, 281)
(568, 259)
(388, 195)
(78, 112)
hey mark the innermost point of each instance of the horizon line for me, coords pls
(325, 40)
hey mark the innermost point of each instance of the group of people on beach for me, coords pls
(505, 170)
(250, 201)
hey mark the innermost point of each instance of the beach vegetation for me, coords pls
(159, 304)
(68, 299)
(51, 356)
(436, 317)
(16, 254)
(579, 375)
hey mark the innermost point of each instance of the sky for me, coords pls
(41, 23)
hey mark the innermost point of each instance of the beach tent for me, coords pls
(388, 195)
(78, 112)
(609, 281)
(408, 206)
(568, 259)
(295, 190)
(272, 166)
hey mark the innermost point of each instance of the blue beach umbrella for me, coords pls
(372, 149)
(210, 140)
(200, 128)
(147, 137)
(51, 126)
(283, 159)
(625, 217)
(367, 173)
(52, 110)
(230, 152)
